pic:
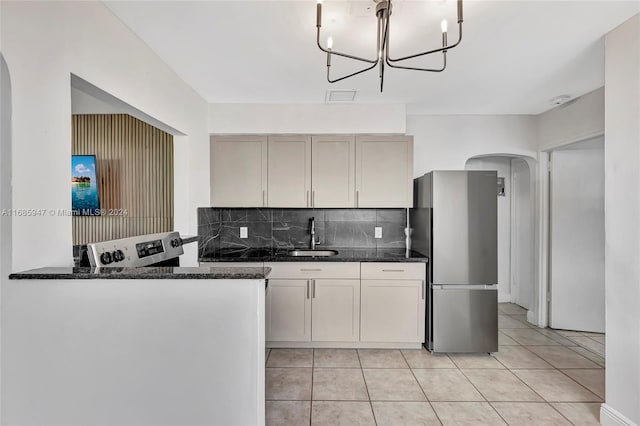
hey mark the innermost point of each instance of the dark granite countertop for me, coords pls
(345, 254)
(144, 273)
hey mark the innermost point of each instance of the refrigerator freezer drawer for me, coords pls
(464, 319)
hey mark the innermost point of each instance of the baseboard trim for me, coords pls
(532, 317)
(611, 417)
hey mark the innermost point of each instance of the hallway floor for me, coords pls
(538, 377)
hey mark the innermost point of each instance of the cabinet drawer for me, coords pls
(393, 271)
(311, 270)
(232, 264)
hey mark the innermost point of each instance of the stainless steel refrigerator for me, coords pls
(454, 223)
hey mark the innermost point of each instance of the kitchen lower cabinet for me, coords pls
(335, 310)
(392, 311)
(288, 311)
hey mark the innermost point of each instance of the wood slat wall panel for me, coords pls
(135, 173)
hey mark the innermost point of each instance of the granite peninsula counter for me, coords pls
(144, 346)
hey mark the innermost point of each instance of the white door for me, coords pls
(238, 171)
(333, 171)
(577, 239)
(384, 171)
(288, 311)
(335, 310)
(392, 311)
(521, 235)
(289, 170)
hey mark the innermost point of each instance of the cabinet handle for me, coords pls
(313, 198)
(357, 198)
(393, 270)
(307, 203)
(307, 289)
(264, 204)
(310, 270)
(423, 289)
(313, 283)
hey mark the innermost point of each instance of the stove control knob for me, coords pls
(118, 256)
(105, 258)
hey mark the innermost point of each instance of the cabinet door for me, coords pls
(384, 171)
(288, 311)
(289, 170)
(335, 310)
(333, 171)
(393, 311)
(238, 171)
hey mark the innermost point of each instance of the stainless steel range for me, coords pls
(143, 250)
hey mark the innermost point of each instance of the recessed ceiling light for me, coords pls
(559, 100)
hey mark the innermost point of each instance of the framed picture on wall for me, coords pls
(84, 186)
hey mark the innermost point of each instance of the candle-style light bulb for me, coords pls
(444, 25)
(319, 14)
(330, 42)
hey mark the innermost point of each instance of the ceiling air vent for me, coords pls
(340, 96)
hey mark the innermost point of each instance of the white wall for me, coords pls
(580, 119)
(522, 235)
(307, 118)
(503, 166)
(43, 43)
(622, 221)
(446, 142)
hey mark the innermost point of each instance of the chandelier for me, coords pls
(383, 58)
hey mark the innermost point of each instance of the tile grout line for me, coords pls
(420, 386)
(313, 373)
(366, 387)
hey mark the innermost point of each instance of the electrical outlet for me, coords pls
(244, 232)
(378, 231)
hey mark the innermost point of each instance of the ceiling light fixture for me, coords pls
(383, 14)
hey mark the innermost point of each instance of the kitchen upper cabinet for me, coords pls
(333, 171)
(289, 171)
(335, 310)
(288, 311)
(384, 171)
(393, 302)
(238, 171)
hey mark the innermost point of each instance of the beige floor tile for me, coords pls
(422, 358)
(336, 358)
(599, 339)
(333, 384)
(290, 358)
(404, 413)
(290, 384)
(590, 344)
(588, 354)
(331, 413)
(266, 355)
(589, 378)
(392, 385)
(523, 319)
(504, 340)
(506, 321)
(590, 334)
(500, 385)
(562, 357)
(447, 385)
(511, 309)
(520, 357)
(529, 336)
(552, 334)
(568, 332)
(475, 361)
(580, 413)
(529, 414)
(381, 358)
(467, 413)
(286, 413)
(554, 386)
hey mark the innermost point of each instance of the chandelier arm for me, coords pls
(344, 55)
(350, 75)
(442, 49)
(444, 65)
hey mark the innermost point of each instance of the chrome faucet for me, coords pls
(312, 226)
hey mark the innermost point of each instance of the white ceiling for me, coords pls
(515, 56)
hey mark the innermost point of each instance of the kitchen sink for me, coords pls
(311, 253)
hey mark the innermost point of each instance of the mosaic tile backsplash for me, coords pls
(219, 229)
